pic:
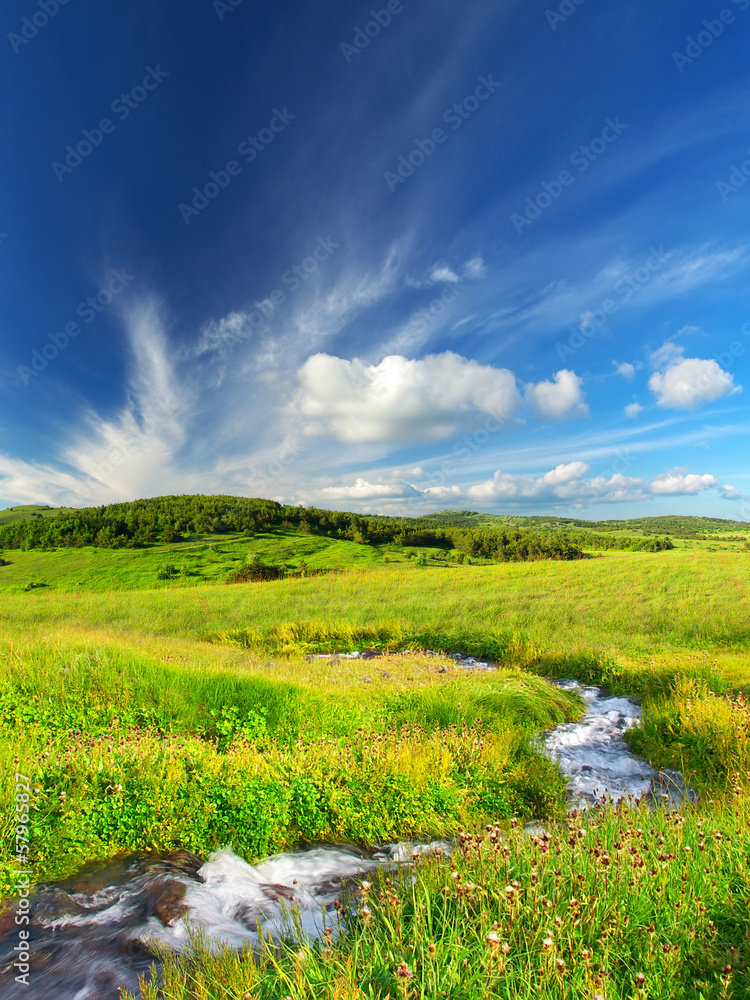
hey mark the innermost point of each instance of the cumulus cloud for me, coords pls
(677, 483)
(568, 482)
(400, 401)
(560, 398)
(633, 409)
(504, 486)
(686, 383)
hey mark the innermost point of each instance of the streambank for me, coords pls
(94, 933)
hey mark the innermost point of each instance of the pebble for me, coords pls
(461, 661)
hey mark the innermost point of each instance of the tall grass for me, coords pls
(126, 753)
(613, 904)
(627, 604)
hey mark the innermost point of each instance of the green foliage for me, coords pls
(168, 518)
(321, 636)
(677, 525)
(129, 753)
(620, 904)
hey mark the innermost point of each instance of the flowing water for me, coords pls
(597, 762)
(95, 932)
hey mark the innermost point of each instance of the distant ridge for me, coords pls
(25, 512)
(665, 524)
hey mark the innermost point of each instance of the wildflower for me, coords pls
(492, 939)
(640, 979)
(403, 971)
(560, 964)
(547, 943)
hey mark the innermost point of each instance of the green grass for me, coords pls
(205, 559)
(183, 713)
(632, 606)
(25, 512)
(128, 752)
(616, 905)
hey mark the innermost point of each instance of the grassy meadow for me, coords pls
(157, 712)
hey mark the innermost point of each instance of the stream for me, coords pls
(92, 933)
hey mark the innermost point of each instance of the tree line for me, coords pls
(174, 518)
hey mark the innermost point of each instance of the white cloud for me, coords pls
(633, 409)
(223, 333)
(564, 482)
(26, 482)
(669, 353)
(400, 401)
(567, 482)
(363, 489)
(475, 269)
(133, 453)
(687, 383)
(442, 274)
(625, 369)
(676, 483)
(561, 398)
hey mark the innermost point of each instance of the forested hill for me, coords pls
(173, 518)
(677, 525)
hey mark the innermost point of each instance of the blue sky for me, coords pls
(393, 258)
